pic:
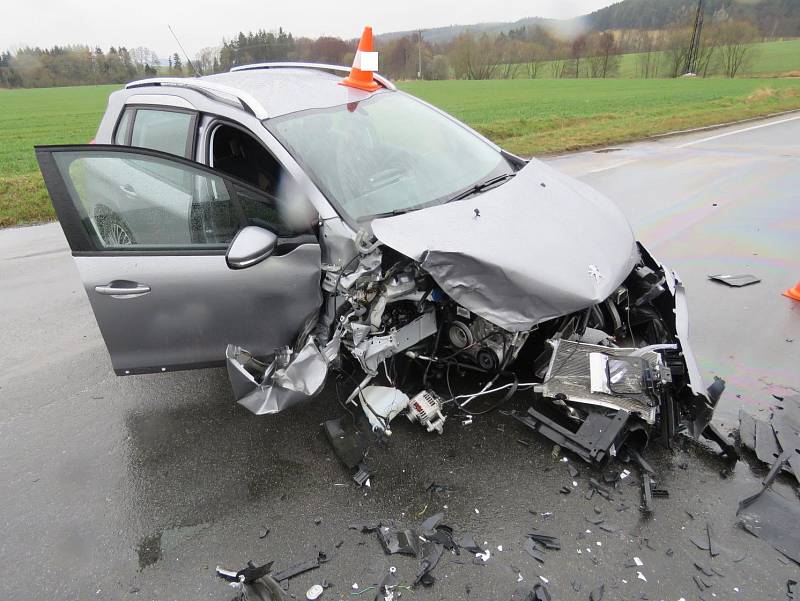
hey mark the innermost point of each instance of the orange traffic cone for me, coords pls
(364, 65)
(793, 293)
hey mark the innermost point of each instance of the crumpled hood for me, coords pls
(543, 245)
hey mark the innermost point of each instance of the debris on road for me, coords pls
(735, 280)
(769, 438)
(770, 515)
(254, 583)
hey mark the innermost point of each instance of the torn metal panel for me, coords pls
(491, 261)
(735, 280)
(372, 351)
(281, 387)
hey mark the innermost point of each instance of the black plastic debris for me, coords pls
(548, 542)
(597, 435)
(428, 527)
(263, 533)
(768, 438)
(792, 590)
(647, 493)
(254, 583)
(770, 515)
(713, 549)
(736, 280)
(247, 574)
(467, 542)
(537, 592)
(431, 554)
(565, 490)
(394, 541)
(532, 549)
(703, 569)
(599, 489)
(300, 568)
(350, 445)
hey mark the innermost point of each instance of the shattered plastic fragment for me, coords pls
(398, 541)
(773, 517)
(735, 280)
(549, 542)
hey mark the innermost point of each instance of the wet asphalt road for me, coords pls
(136, 488)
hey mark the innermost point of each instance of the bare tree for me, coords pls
(578, 52)
(647, 58)
(535, 55)
(736, 46)
(474, 58)
(676, 49)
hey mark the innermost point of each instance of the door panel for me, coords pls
(196, 306)
(148, 232)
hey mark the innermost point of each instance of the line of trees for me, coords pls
(530, 51)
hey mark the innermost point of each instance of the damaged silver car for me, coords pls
(297, 229)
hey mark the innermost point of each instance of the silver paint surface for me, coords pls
(537, 247)
(197, 305)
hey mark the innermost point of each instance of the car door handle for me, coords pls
(129, 190)
(122, 290)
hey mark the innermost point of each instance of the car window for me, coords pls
(167, 131)
(128, 201)
(279, 205)
(388, 153)
(121, 135)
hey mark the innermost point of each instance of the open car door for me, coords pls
(149, 232)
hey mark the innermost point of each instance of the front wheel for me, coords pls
(113, 230)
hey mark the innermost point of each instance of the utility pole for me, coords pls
(419, 53)
(694, 47)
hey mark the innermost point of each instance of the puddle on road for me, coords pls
(153, 547)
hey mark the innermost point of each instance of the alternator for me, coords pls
(426, 408)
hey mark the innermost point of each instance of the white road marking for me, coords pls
(612, 166)
(738, 131)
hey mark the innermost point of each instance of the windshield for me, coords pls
(387, 154)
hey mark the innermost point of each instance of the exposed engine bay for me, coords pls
(615, 373)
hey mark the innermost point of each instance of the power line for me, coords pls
(694, 47)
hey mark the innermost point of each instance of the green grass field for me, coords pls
(768, 59)
(525, 116)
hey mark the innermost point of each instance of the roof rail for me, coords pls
(227, 94)
(319, 66)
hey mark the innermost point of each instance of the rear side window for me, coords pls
(121, 135)
(165, 130)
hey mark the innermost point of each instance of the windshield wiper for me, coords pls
(482, 186)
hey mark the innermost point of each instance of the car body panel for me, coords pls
(178, 306)
(197, 305)
(532, 249)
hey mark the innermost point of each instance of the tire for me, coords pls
(113, 230)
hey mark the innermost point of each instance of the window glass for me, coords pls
(121, 136)
(129, 201)
(168, 131)
(387, 153)
(280, 206)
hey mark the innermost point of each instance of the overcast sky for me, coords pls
(201, 23)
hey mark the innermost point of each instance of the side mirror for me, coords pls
(251, 245)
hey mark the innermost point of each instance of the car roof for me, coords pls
(274, 89)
